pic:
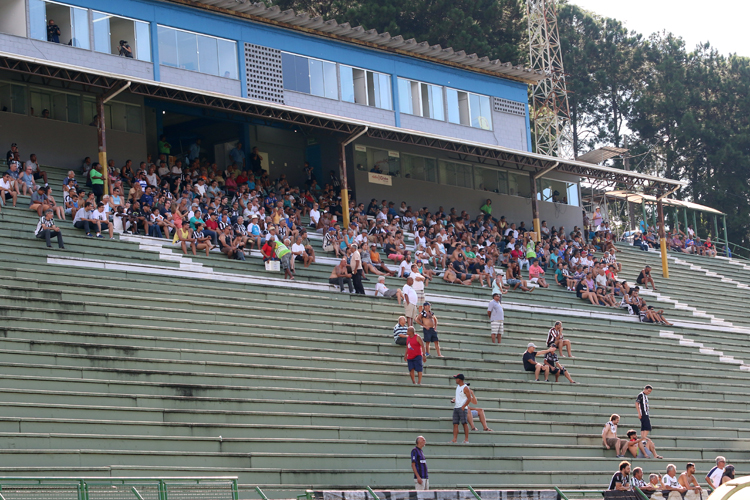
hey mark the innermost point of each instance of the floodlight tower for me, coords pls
(549, 102)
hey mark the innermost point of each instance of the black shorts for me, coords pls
(645, 423)
(429, 335)
(555, 370)
(299, 258)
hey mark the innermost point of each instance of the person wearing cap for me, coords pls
(429, 321)
(414, 355)
(530, 364)
(460, 407)
(46, 229)
(496, 316)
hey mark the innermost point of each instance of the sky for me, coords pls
(721, 22)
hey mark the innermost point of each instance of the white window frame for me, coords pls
(468, 108)
(389, 78)
(236, 61)
(324, 61)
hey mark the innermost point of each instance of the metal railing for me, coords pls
(119, 488)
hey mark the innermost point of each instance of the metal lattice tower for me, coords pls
(549, 102)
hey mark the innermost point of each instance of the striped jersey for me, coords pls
(417, 458)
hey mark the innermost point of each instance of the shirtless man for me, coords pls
(429, 321)
(644, 445)
(688, 481)
(609, 436)
(450, 277)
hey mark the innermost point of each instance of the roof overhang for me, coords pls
(483, 153)
(288, 19)
(601, 155)
(644, 198)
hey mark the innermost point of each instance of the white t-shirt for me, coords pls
(5, 185)
(97, 215)
(403, 267)
(314, 216)
(34, 166)
(201, 189)
(380, 289)
(163, 169)
(298, 249)
(715, 476)
(670, 481)
(601, 280)
(356, 261)
(418, 285)
(410, 293)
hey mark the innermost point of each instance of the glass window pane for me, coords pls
(74, 109)
(475, 110)
(502, 181)
(572, 190)
(89, 110)
(134, 120)
(101, 33)
(485, 179)
(454, 115)
(59, 107)
(404, 96)
(288, 71)
(80, 28)
(317, 85)
(143, 41)
(436, 102)
(208, 56)
(118, 115)
(347, 84)
(372, 93)
(38, 19)
(187, 50)
(331, 81)
(227, 59)
(167, 47)
(302, 69)
(485, 112)
(384, 91)
(18, 97)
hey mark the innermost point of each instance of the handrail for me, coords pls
(559, 492)
(135, 492)
(476, 495)
(260, 492)
(373, 493)
(642, 494)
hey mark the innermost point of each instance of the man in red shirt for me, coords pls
(414, 356)
(212, 224)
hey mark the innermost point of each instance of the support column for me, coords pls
(695, 224)
(102, 139)
(684, 213)
(726, 237)
(645, 215)
(715, 232)
(535, 208)
(662, 240)
(344, 185)
(657, 218)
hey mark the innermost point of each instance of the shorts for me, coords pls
(430, 335)
(415, 364)
(389, 293)
(459, 416)
(299, 258)
(9, 196)
(513, 282)
(645, 423)
(555, 370)
(420, 297)
(422, 487)
(496, 327)
(410, 311)
(286, 261)
(474, 414)
(612, 442)
(400, 341)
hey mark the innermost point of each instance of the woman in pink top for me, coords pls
(536, 275)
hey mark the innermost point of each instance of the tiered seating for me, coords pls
(129, 372)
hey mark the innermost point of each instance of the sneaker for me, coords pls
(89, 235)
(99, 236)
(427, 355)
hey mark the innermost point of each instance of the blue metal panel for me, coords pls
(241, 70)
(155, 51)
(394, 93)
(528, 128)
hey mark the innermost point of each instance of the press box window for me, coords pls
(69, 25)
(455, 174)
(365, 87)
(110, 31)
(117, 116)
(419, 167)
(557, 191)
(466, 108)
(309, 76)
(195, 52)
(378, 160)
(420, 99)
(12, 98)
(55, 105)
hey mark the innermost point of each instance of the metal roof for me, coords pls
(258, 11)
(601, 155)
(106, 80)
(644, 198)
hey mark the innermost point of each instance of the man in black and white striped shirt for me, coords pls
(555, 338)
(46, 229)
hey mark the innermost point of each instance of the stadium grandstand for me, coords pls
(219, 222)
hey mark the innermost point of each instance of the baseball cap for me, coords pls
(531, 344)
(459, 376)
(426, 304)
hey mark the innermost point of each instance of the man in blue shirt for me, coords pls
(419, 466)
(195, 150)
(238, 156)
(147, 199)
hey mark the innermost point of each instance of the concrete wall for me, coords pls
(340, 108)
(428, 194)
(65, 144)
(285, 150)
(201, 81)
(56, 52)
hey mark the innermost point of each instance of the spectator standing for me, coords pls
(419, 466)
(356, 265)
(238, 156)
(285, 256)
(461, 403)
(497, 317)
(555, 337)
(429, 321)
(53, 32)
(414, 356)
(609, 436)
(621, 479)
(410, 301)
(97, 181)
(530, 364)
(46, 229)
(641, 405)
(713, 478)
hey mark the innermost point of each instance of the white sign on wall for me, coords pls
(385, 180)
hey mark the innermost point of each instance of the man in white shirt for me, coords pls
(99, 216)
(418, 286)
(609, 436)
(671, 483)
(314, 216)
(357, 271)
(714, 475)
(383, 291)
(6, 189)
(410, 301)
(83, 220)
